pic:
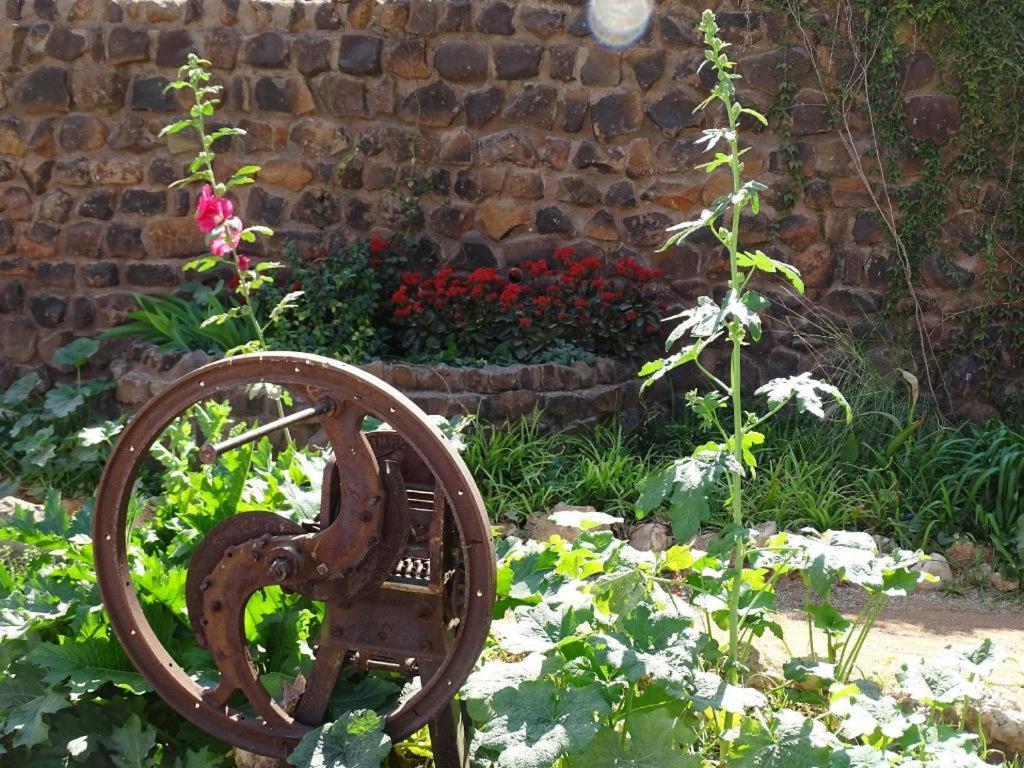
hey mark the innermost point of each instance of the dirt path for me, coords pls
(918, 625)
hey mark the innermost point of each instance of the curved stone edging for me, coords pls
(565, 394)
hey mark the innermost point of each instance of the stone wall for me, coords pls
(566, 395)
(522, 133)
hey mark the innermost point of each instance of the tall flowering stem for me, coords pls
(730, 457)
(215, 214)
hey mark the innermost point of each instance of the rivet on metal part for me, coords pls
(322, 569)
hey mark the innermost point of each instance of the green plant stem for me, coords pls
(735, 381)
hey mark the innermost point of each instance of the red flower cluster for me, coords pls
(605, 309)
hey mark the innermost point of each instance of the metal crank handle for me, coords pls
(210, 452)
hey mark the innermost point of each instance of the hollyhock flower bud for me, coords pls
(212, 211)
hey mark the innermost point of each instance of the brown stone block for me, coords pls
(17, 339)
(103, 90)
(286, 173)
(850, 192)
(678, 196)
(174, 239)
(501, 217)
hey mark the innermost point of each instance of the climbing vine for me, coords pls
(979, 55)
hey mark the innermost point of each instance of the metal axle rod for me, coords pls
(210, 452)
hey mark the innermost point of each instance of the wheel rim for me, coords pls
(343, 382)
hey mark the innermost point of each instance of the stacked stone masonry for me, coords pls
(522, 131)
(567, 395)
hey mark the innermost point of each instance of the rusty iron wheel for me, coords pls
(345, 385)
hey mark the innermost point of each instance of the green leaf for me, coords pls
(77, 353)
(536, 723)
(759, 260)
(800, 670)
(806, 391)
(19, 391)
(177, 127)
(355, 740)
(864, 711)
(493, 676)
(792, 740)
(619, 593)
(63, 400)
(201, 759)
(533, 628)
(712, 692)
(828, 619)
(937, 682)
(286, 303)
(87, 665)
(131, 744)
(26, 701)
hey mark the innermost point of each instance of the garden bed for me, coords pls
(566, 395)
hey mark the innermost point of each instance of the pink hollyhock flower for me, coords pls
(212, 211)
(226, 237)
(244, 263)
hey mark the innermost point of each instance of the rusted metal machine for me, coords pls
(401, 557)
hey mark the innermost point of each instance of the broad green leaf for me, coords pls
(62, 401)
(761, 261)
(494, 675)
(19, 391)
(77, 353)
(799, 670)
(131, 744)
(792, 740)
(864, 711)
(87, 665)
(807, 393)
(355, 740)
(937, 682)
(619, 593)
(828, 619)
(533, 628)
(712, 692)
(26, 701)
(536, 723)
(202, 759)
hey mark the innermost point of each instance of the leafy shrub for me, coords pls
(602, 309)
(59, 437)
(604, 656)
(342, 312)
(179, 322)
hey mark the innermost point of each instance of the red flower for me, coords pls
(631, 316)
(378, 244)
(564, 254)
(244, 263)
(581, 303)
(525, 322)
(212, 211)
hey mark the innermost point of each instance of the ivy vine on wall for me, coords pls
(978, 51)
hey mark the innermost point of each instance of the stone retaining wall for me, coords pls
(518, 130)
(566, 395)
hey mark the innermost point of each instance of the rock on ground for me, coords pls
(540, 528)
(650, 537)
(937, 567)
